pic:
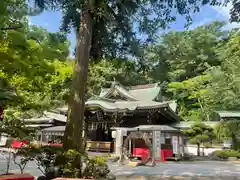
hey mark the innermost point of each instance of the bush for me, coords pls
(55, 162)
(224, 154)
(95, 167)
(45, 158)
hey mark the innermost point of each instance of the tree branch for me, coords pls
(11, 28)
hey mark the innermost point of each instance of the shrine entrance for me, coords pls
(149, 142)
(139, 139)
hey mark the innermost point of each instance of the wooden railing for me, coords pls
(99, 146)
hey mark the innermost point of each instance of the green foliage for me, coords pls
(12, 14)
(191, 93)
(229, 130)
(181, 55)
(55, 162)
(70, 169)
(16, 129)
(199, 68)
(53, 45)
(224, 154)
(106, 71)
(199, 134)
(224, 87)
(70, 166)
(34, 64)
(115, 22)
(234, 12)
(45, 158)
(22, 156)
(182, 60)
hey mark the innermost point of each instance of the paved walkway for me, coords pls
(204, 168)
(200, 168)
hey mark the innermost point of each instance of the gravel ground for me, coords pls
(198, 168)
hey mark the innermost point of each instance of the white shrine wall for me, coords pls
(192, 149)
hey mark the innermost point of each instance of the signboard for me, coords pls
(175, 144)
(3, 140)
(157, 139)
(157, 143)
(174, 139)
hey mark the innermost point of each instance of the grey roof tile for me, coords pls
(54, 129)
(122, 106)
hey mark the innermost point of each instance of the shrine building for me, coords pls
(120, 106)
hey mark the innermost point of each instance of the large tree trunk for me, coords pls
(234, 142)
(73, 137)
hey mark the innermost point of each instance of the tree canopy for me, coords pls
(199, 70)
(199, 134)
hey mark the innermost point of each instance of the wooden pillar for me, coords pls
(130, 146)
(41, 138)
(156, 144)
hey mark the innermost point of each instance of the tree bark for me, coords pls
(234, 142)
(198, 149)
(73, 136)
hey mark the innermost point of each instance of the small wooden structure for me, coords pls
(166, 142)
(55, 135)
(49, 119)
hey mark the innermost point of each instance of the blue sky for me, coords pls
(52, 20)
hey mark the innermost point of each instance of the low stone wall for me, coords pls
(192, 149)
(177, 178)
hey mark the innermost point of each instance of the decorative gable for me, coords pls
(148, 92)
(117, 91)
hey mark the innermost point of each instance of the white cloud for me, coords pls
(202, 22)
(225, 12)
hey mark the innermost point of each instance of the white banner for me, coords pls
(175, 144)
(157, 143)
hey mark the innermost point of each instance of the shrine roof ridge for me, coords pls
(162, 128)
(125, 106)
(147, 92)
(143, 86)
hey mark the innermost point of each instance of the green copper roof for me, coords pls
(124, 106)
(147, 92)
(48, 117)
(115, 89)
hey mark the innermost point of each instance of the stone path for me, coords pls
(206, 168)
(200, 168)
